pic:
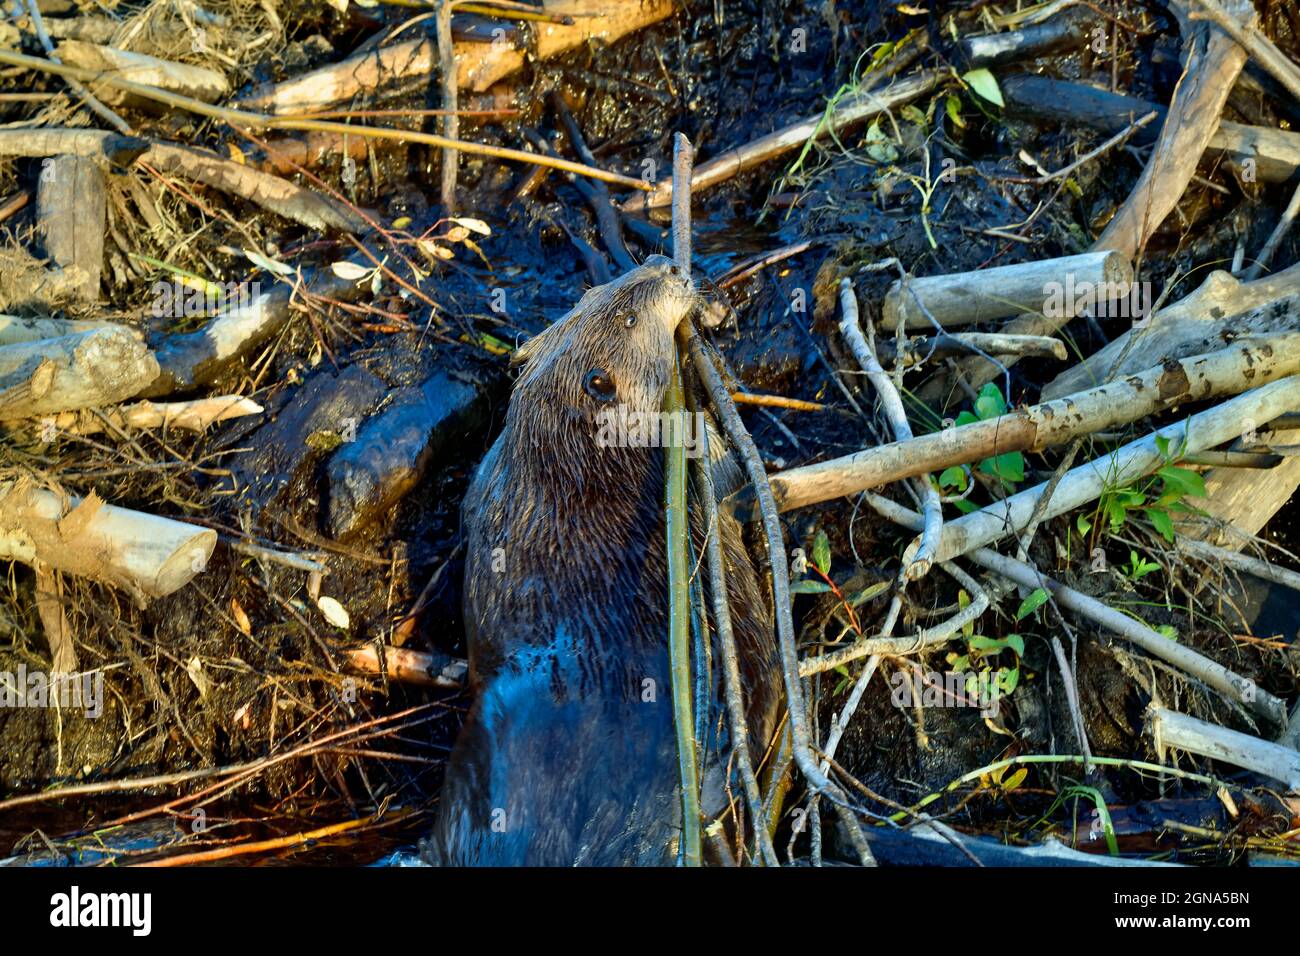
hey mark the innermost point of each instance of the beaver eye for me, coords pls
(629, 319)
(599, 385)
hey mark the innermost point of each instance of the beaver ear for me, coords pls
(549, 337)
(532, 348)
(522, 354)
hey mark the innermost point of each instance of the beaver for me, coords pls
(568, 755)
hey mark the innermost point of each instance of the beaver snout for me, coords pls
(675, 292)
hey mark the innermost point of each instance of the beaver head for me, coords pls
(613, 350)
(561, 524)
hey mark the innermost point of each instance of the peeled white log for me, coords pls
(928, 347)
(1211, 554)
(195, 415)
(1090, 480)
(1044, 285)
(1226, 371)
(82, 370)
(143, 553)
(15, 329)
(197, 82)
(1221, 309)
(1172, 729)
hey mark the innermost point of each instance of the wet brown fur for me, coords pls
(563, 759)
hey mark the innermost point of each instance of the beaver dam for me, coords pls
(645, 432)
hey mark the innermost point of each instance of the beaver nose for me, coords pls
(677, 306)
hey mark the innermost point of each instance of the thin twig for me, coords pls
(259, 120)
(87, 97)
(1275, 238)
(679, 572)
(892, 405)
(727, 641)
(753, 463)
(451, 121)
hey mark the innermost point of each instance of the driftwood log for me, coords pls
(1181, 732)
(1275, 153)
(82, 370)
(1224, 372)
(71, 204)
(196, 415)
(184, 78)
(1067, 30)
(1089, 481)
(276, 195)
(1239, 502)
(969, 297)
(197, 358)
(1221, 310)
(141, 553)
(15, 329)
(478, 65)
(1214, 60)
(1213, 63)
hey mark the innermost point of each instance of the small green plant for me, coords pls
(1138, 566)
(1158, 497)
(988, 680)
(821, 564)
(1101, 813)
(1008, 468)
(1037, 598)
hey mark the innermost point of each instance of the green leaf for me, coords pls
(963, 601)
(1161, 521)
(822, 553)
(1162, 444)
(1184, 479)
(965, 507)
(990, 403)
(1008, 680)
(953, 106)
(1129, 497)
(863, 596)
(1016, 779)
(983, 83)
(1031, 604)
(1016, 643)
(1084, 524)
(913, 115)
(954, 477)
(1167, 630)
(966, 418)
(1009, 466)
(809, 587)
